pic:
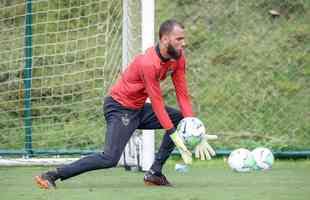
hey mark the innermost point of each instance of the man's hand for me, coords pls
(204, 150)
(185, 153)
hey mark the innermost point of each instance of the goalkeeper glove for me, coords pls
(203, 149)
(185, 153)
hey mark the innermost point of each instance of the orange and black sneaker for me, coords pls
(45, 181)
(152, 178)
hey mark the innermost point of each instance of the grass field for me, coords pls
(205, 180)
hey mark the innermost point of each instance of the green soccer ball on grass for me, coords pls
(263, 157)
(241, 160)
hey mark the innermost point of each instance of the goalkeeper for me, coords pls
(125, 110)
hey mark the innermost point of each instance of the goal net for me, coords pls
(58, 58)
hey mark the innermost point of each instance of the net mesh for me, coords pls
(248, 69)
(76, 49)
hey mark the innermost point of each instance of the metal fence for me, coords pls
(248, 69)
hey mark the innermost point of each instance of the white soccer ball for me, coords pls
(263, 157)
(241, 160)
(191, 130)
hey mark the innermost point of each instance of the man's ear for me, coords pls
(165, 40)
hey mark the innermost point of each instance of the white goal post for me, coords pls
(140, 150)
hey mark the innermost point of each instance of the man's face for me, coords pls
(176, 42)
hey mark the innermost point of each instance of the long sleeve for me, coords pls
(180, 84)
(152, 85)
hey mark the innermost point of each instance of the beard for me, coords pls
(173, 53)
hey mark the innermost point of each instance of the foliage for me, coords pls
(248, 70)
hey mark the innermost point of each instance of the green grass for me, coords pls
(248, 72)
(205, 180)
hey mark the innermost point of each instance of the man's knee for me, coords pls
(110, 160)
(111, 164)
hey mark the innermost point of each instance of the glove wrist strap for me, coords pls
(171, 131)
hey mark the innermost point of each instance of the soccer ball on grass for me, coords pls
(263, 157)
(241, 160)
(191, 130)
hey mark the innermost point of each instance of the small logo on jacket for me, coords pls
(169, 72)
(125, 120)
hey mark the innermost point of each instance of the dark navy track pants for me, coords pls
(121, 124)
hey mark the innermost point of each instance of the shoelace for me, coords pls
(164, 180)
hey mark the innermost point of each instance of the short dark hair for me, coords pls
(167, 26)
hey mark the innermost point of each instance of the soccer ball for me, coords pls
(241, 160)
(263, 157)
(191, 130)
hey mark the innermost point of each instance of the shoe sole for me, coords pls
(150, 183)
(44, 184)
(147, 183)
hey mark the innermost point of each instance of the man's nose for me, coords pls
(183, 44)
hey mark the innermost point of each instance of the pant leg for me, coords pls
(150, 121)
(121, 123)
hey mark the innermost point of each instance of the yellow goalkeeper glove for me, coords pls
(185, 153)
(203, 149)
